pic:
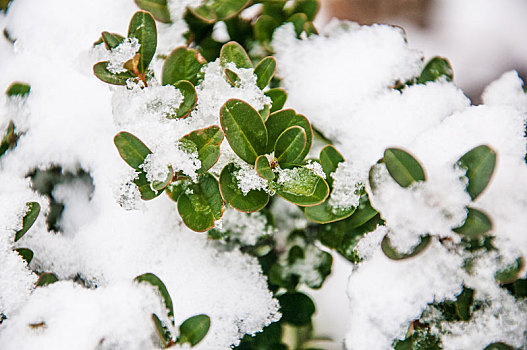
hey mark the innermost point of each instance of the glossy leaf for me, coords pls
(226, 9)
(476, 224)
(33, 209)
(162, 331)
(145, 188)
(404, 168)
(435, 68)
(202, 205)
(111, 40)
(235, 53)
(131, 149)
(479, 163)
(204, 13)
(324, 213)
(158, 9)
(190, 98)
(278, 97)
(264, 71)
(279, 121)
(364, 213)
(296, 308)
(101, 72)
(207, 143)
(194, 329)
(181, 64)
(18, 89)
(143, 28)
(26, 254)
(264, 112)
(9, 140)
(510, 273)
(264, 28)
(263, 168)
(175, 189)
(330, 159)
(46, 279)
(232, 77)
(153, 280)
(244, 129)
(253, 201)
(290, 145)
(303, 187)
(393, 254)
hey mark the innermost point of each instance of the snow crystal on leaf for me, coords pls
(348, 181)
(122, 53)
(248, 179)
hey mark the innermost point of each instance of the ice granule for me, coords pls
(316, 167)
(122, 53)
(347, 184)
(248, 179)
(246, 228)
(297, 180)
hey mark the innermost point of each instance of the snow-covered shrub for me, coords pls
(206, 105)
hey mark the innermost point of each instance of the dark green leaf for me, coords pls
(161, 288)
(364, 213)
(46, 279)
(190, 98)
(476, 224)
(232, 77)
(158, 9)
(264, 28)
(264, 71)
(263, 168)
(290, 145)
(264, 112)
(207, 143)
(498, 346)
(308, 7)
(131, 149)
(278, 97)
(111, 40)
(244, 129)
(204, 13)
(145, 188)
(181, 64)
(464, 304)
(233, 195)
(162, 331)
(101, 72)
(18, 89)
(143, 28)
(226, 9)
(202, 205)
(330, 159)
(404, 168)
(235, 53)
(296, 308)
(194, 329)
(325, 213)
(25, 253)
(302, 187)
(277, 122)
(435, 68)
(391, 253)
(479, 163)
(176, 188)
(33, 209)
(510, 273)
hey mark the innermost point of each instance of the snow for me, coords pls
(122, 53)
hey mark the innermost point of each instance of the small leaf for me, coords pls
(143, 28)
(263, 168)
(162, 331)
(18, 89)
(364, 213)
(310, 29)
(435, 68)
(9, 140)
(391, 253)
(207, 143)
(161, 185)
(298, 20)
(202, 205)
(264, 112)
(145, 188)
(194, 329)
(308, 7)
(498, 346)
(181, 64)
(46, 279)
(232, 77)
(296, 308)
(301, 187)
(510, 273)
(464, 304)
(33, 209)
(278, 97)
(264, 71)
(330, 159)
(226, 9)
(111, 40)
(131, 149)
(253, 201)
(190, 98)
(290, 145)
(476, 224)
(175, 189)
(479, 163)
(26, 254)
(235, 53)
(264, 28)
(244, 129)
(158, 9)
(277, 122)
(101, 72)
(153, 280)
(324, 213)
(204, 13)
(404, 168)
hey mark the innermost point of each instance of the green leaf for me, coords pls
(194, 329)
(232, 77)
(143, 28)
(308, 7)
(226, 9)
(479, 163)
(393, 254)
(278, 97)
(296, 308)
(464, 304)
(101, 72)
(235, 53)
(204, 13)
(46, 279)
(324, 213)
(33, 209)
(264, 71)
(277, 122)
(435, 68)
(264, 112)
(263, 168)
(207, 143)
(26, 254)
(162, 331)
(131, 149)
(158, 9)
(181, 64)
(18, 89)
(175, 189)
(330, 159)
(498, 346)
(153, 280)
(244, 129)
(290, 145)
(264, 28)
(310, 29)
(9, 140)
(510, 273)
(202, 205)
(476, 224)
(253, 201)
(404, 168)
(145, 188)
(190, 98)
(364, 213)
(298, 20)
(111, 40)
(301, 186)
(161, 185)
